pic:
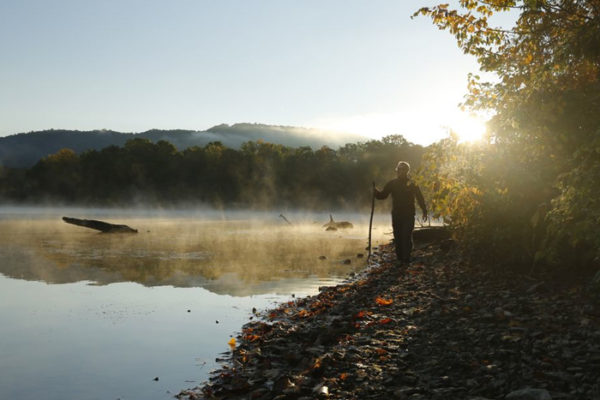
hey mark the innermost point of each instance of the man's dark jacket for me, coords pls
(404, 192)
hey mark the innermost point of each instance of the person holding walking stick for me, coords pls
(404, 192)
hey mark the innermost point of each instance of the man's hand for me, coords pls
(375, 191)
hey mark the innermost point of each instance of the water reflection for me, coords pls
(195, 282)
(239, 258)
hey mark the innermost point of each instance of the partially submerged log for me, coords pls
(431, 234)
(285, 219)
(335, 225)
(99, 225)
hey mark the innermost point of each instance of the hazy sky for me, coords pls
(351, 65)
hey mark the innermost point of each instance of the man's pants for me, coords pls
(403, 227)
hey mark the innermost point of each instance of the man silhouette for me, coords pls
(403, 192)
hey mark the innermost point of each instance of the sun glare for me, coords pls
(416, 126)
(468, 128)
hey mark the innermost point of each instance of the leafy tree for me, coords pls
(545, 101)
(58, 174)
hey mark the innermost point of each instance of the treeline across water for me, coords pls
(258, 175)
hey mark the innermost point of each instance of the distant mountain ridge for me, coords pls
(25, 149)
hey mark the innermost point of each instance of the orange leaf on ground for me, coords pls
(231, 343)
(385, 321)
(360, 314)
(383, 302)
(303, 313)
(343, 376)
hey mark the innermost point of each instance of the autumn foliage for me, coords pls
(528, 196)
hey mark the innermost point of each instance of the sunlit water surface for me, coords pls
(86, 315)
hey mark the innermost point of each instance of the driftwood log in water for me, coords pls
(335, 225)
(431, 234)
(99, 225)
(285, 219)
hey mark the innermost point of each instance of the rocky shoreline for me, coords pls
(436, 329)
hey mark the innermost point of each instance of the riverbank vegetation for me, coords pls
(528, 196)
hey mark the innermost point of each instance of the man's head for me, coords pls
(402, 169)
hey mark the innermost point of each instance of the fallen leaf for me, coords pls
(317, 364)
(251, 338)
(231, 343)
(383, 302)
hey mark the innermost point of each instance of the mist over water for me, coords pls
(94, 315)
(238, 254)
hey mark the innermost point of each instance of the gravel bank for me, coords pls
(436, 329)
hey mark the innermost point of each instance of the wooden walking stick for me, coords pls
(371, 220)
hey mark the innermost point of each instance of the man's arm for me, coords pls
(421, 202)
(382, 194)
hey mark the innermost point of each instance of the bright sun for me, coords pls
(469, 128)
(418, 126)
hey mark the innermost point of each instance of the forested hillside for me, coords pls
(25, 149)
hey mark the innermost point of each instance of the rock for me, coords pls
(321, 390)
(258, 393)
(404, 392)
(533, 288)
(529, 394)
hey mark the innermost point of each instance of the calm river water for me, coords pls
(85, 315)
